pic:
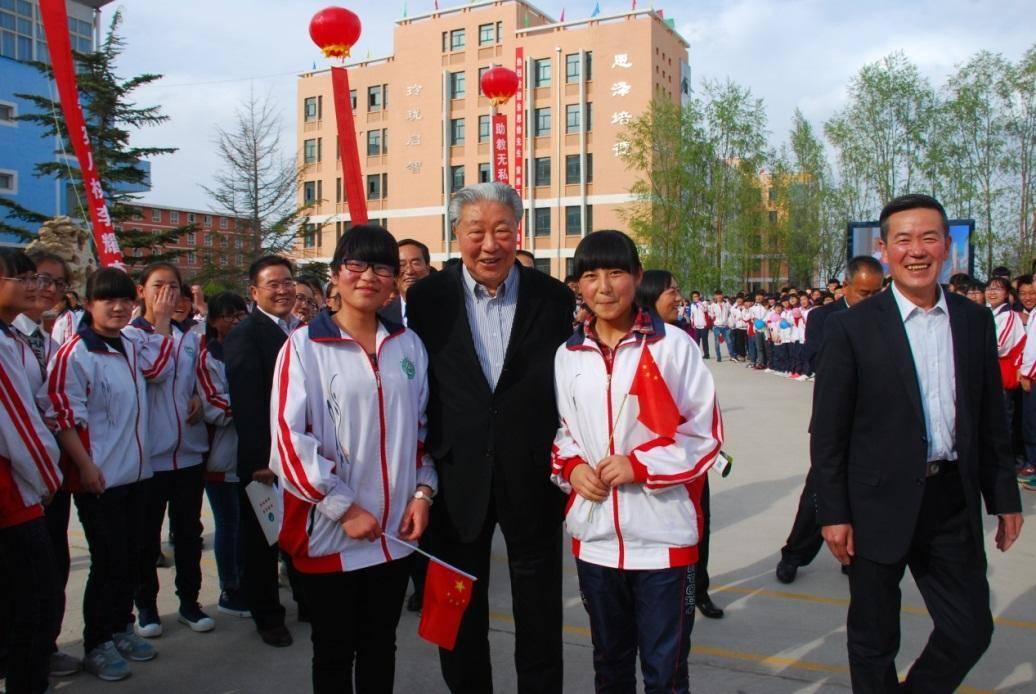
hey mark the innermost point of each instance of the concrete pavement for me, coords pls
(775, 639)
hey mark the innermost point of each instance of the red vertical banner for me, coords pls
(519, 131)
(352, 180)
(55, 24)
(500, 162)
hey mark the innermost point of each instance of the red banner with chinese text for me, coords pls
(352, 180)
(55, 24)
(519, 131)
(500, 162)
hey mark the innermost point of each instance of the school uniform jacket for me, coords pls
(654, 522)
(221, 465)
(1028, 368)
(24, 327)
(347, 429)
(1010, 332)
(28, 452)
(66, 326)
(175, 444)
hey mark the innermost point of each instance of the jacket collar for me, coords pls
(91, 339)
(213, 346)
(142, 323)
(646, 323)
(324, 329)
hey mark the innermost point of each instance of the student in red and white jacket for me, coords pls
(348, 418)
(225, 310)
(633, 506)
(29, 477)
(178, 442)
(98, 398)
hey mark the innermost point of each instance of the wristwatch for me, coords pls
(420, 494)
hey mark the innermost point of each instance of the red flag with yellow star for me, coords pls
(446, 596)
(658, 410)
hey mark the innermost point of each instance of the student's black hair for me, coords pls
(1022, 279)
(1000, 271)
(110, 283)
(155, 267)
(571, 277)
(653, 283)
(425, 253)
(185, 291)
(976, 285)
(14, 262)
(960, 279)
(221, 305)
(911, 201)
(450, 262)
(266, 261)
(369, 243)
(606, 249)
(39, 257)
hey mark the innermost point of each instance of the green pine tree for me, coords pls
(110, 115)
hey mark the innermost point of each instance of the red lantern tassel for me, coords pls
(355, 195)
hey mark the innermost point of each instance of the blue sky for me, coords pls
(791, 53)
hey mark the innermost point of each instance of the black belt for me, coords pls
(939, 467)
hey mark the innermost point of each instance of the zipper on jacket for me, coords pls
(136, 414)
(609, 362)
(384, 458)
(176, 410)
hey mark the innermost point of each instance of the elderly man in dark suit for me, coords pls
(909, 437)
(863, 278)
(491, 328)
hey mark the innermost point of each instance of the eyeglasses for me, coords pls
(285, 285)
(234, 317)
(31, 282)
(305, 300)
(358, 267)
(48, 281)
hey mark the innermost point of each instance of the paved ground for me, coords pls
(775, 639)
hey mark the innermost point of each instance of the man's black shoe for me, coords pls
(786, 571)
(278, 637)
(413, 603)
(709, 609)
(845, 569)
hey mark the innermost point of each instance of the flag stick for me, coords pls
(437, 560)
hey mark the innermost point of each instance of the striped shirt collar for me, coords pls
(507, 289)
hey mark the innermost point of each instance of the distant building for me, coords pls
(220, 241)
(423, 128)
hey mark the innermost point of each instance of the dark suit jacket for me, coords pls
(250, 353)
(869, 443)
(393, 311)
(492, 445)
(815, 328)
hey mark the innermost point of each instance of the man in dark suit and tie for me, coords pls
(909, 437)
(251, 353)
(863, 277)
(492, 328)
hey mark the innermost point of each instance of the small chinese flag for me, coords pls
(446, 596)
(658, 410)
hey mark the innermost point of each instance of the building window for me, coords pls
(223, 222)
(374, 143)
(8, 112)
(207, 220)
(572, 118)
(375, 98)
(589, 218)
(237, 244)
(456, 131)
(192, 238)
(309, 235)
(483, 128)
(192, 258)
(773, 216)
(541, 72)
(190, 218)
(377, 186)
(174, 217)
(309, 192)
(481, 71)
(312, 107)
(589, 65)
(457, 40)
(485, 174)
(572, 68)
(486, 34)
(572, 169)
(458, 85)
(208, 240)
(542, 219)
(542, 171)
(156, 216)
(573, 221)
(541, 121)
(542, 264)
(352, 98)
(309, 151)
(456, 178)
(222, 241)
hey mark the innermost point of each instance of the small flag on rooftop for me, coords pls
(597, 10)
(404, 10)
(562, 14)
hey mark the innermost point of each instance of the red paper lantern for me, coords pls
(335, 30)
(499, 84)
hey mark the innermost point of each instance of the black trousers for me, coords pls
(182, 491)
(701, 569)
(356, 623)
(57, 515)
(805, 540)
(535, 570)
(258, 569)
(113, 523)
(950, 572)
(701, 336)
(740, 338)
(27, 579)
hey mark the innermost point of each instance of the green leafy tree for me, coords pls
(110, 115)
(1017, 92)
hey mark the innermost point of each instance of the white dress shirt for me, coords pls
(931, 344)
(491, 319)
(286, 324)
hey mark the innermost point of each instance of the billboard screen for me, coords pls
(863, 239)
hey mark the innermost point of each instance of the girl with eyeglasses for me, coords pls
(348, 402)
(225, 310)
(29, 476)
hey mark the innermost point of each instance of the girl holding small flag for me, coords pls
(348, 408)
(633, 470)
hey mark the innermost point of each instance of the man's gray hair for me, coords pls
(484, 192)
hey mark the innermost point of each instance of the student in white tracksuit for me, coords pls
(178, 443)
(97, 396)
(29, 476)
(633, 469)
(348, 418)
(226, 309)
